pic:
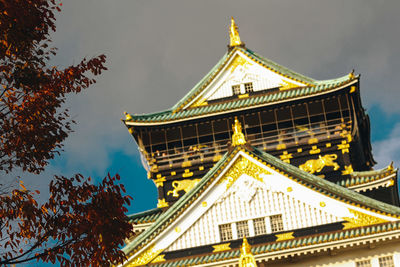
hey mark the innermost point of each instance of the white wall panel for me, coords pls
(232, 209)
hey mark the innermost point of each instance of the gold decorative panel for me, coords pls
(284, 236)
(347, 170)
(159, 181)
(243, 166)
(185, 185)
(162, 203)
(187, 173)
(221, 247)
(286, 156)
(316, 165)
(344, 147)
(314, 150)
(360, 219)
(313, 141)
(145, 257)
(159, 258)
(285, 85)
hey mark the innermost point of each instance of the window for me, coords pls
(236, 89)
(225, 232)
(276, 223)
(259, 226)
(248, 87)
(242, 229)
(363, 263)
(386, 261)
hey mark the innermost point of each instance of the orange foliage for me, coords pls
(81, 224)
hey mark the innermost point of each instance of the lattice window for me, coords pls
(363, 263)
(225, 232)
(386, 261)
(242, 229)
(276, 223)
(248, 87)
(236, 89)
(259, 226)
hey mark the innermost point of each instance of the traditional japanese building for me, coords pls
(258, 165)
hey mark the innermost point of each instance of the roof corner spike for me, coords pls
(128, 116)
(237, 136)
(351, 75)
(246, 257)
(234, 35)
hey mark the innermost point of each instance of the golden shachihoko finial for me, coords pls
(238, 136)
(234, 34)
(246, 257)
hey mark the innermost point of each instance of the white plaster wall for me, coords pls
(265, 202)
(261, 77)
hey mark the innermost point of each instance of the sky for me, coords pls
(158, 50)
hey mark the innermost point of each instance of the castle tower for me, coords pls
(258, 154)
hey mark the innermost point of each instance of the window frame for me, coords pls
(389, 263)
(242, 232)
(256, 226)
(236, 89)
(225, 232)
(363, 263)
(248, 87)
(276, 225)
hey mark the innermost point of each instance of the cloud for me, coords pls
(158, 50)
(388, 150)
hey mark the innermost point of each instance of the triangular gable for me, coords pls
(265, 171)
(237, 67)
(240, 70)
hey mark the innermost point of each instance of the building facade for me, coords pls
(258, 165)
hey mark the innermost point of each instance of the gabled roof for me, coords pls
(143, 245)
(199, 87)
(182, 110)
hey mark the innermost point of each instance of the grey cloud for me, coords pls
(157, 50)
(388, 150)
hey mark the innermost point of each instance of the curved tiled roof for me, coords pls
(288, 244)
(145, 216)
(313, 87)
(238, 104)
(367, 177)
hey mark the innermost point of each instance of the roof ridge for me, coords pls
(280, 68)
(372, 172)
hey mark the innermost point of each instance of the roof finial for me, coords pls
(128, 116)
(246, 257)
(234, 34)
(351, 75)
(237, 136)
